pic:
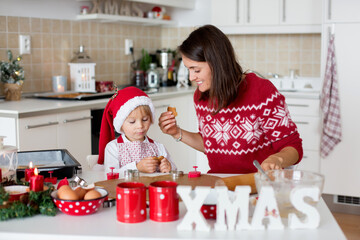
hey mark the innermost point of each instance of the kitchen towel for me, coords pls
(330, 104)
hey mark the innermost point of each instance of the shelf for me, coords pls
(186, 4)
(107, 18)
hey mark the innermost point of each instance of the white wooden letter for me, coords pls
(193, 214)
(312, 218)
(266, 207)
(241, 202)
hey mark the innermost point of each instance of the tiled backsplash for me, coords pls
(55, 41)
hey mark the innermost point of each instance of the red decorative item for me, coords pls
(131, 202)
(194, 174)
(208, 211)
(0, 176)
(104, 86)
(62, 182)
(156, 9)
(80, 207)
(112, 175)
(29, 172)
(51, 179)
(164, 201)
(36, 182)
(16, 191)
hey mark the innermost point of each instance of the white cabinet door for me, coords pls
(225, 13)
(262, 12)
(295, 12)
(74, 134)
(342, 11)
(341, 167)
(183, 156)
(38, 133)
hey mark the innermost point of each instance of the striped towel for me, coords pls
(330, 104)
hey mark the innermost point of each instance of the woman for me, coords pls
(241, 117)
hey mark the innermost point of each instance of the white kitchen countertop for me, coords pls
(104, 225)
(28, 107)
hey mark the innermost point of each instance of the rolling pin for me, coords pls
(244, 179)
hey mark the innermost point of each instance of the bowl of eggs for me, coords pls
(79, 201)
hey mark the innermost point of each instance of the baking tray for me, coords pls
(60, 161)
(73, 95)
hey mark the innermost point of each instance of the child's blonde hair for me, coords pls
(146, 110)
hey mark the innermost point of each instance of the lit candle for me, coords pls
(60, 88)
(36, 182)
(29, 172)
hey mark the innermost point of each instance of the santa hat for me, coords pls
(116, 111)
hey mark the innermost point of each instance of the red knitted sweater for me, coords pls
(256, 125)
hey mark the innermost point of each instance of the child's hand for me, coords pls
(147, 165)
(165, 166)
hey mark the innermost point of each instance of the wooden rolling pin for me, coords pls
(244, 179)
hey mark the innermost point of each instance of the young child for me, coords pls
(131, 112)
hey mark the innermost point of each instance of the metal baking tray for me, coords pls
(73, 95)
(60, 161)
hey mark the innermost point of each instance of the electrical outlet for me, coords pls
(24, 44)
(129, 47)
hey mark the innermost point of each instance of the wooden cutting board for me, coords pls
(203, 180)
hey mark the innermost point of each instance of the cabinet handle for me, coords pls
(284, 11)
(248, 11)
(298, 105)
(304, 123)
(237, 11)
(77, 119)
(329, 9)
(162, 106)
(41, 125)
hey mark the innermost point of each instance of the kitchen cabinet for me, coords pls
(70, 130)
(267, 16)
(306, 115)
(341, 167)
(341, 11)
(183, 155)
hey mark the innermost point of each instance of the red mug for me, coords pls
(164, 201)
(131, 202)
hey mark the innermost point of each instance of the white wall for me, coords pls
(51, 9)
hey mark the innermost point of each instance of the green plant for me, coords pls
(11, 71)
(145, 60)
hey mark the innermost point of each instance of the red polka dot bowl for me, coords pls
(80, 207)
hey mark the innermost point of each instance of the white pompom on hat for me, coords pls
(117, 110)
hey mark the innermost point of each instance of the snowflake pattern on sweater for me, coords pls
(255, 126)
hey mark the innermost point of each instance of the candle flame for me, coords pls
(36, 172)
(30, 165)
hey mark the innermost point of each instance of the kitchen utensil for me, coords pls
(286, 180)
(244, 179)
(80, 207)
(257, 165)
(153, 77)
(131, 202)
(164, 201)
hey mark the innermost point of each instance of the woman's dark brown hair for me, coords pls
(209, 44)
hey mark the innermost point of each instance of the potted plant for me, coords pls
(12, 75)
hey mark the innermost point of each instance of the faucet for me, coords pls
(257, 73)
(274, 75)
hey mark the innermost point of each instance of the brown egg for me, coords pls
(80, 192)
(65, 192)
(92, 194)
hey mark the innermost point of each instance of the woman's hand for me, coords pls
(167, 124)
(272, 162)
(147, 165)
(165, 166)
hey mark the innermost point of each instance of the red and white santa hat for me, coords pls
(116, 111)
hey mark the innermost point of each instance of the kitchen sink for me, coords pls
(299, 84)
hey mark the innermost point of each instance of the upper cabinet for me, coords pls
(267, 16)
(341, 11)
